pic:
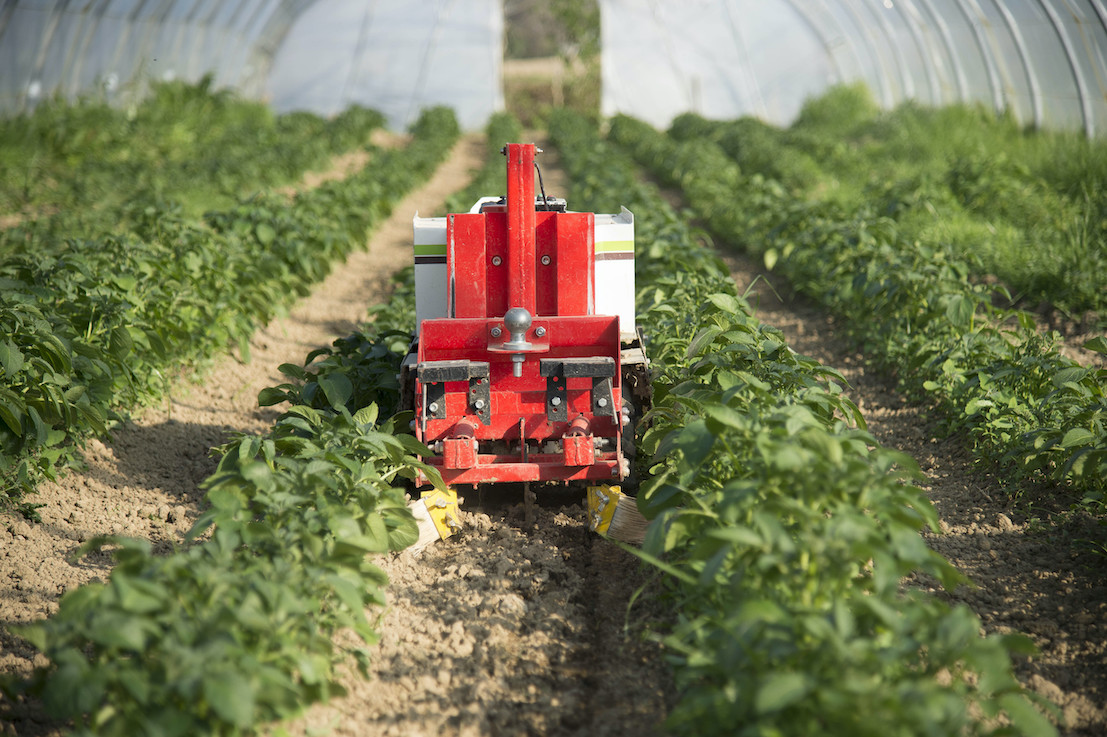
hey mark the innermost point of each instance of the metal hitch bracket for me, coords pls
(601, 369)
(433, 375)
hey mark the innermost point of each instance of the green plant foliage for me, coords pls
(991, 372)
(239, 629)
(786, 531)
(76, 167)
(92, 326)
(1018, 206)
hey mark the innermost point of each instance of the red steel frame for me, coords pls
(512, 256)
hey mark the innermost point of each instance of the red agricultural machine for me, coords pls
(526, 367)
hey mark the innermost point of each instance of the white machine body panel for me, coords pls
(430, 268)
(615, 268)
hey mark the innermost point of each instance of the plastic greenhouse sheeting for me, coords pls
(1043, 61)
(397, 56)
(111, 49)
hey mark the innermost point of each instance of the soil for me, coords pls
(509, 630)
(515, 629)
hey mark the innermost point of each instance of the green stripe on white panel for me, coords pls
(431, 249)
(614, 246)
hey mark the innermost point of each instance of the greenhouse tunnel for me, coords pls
(1044, 62)
(1041, 61)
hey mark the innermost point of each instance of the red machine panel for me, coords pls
(563, 265)
(520, 382)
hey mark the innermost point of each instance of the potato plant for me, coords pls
(95, 325)
(239, 628)
(785, 530)
(88, 167)
(1019, 206)
(1024, 404)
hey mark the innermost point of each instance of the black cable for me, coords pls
(541, 186)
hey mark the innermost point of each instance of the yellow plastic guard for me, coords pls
(602, 501)
(442, 508)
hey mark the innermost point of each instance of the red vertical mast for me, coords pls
(520, 226)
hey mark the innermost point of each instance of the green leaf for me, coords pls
(259, 474)
(126, 282)
(788, 457)
(12, 417)
(1025, 717)
(725, 415)
(348, 592)
(120, 343)
(771, 256)
(695, 441)
(960, 309)
(291, 369)
(703, 338)
(244, 348)
(137, 595)
(1077, 436)
(118, 630)
(780, 691)
(404, 530)
(269, 396)
(337, 388)
(726, 302)
(368, 416)
(265, 233)
(1097, 344)
(35, 634)
(738, 534)
(377, 531)
(70, 691)
(231, 696)
(1073, 374)
(42, 430)
(412, 445)
(11, 358)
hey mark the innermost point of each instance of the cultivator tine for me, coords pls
(436, 513)
(530, 506)
(615, 515)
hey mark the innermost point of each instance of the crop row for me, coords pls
(785, 529)
(1023, 403)
(239, 629)
(86, 168)
(1020, 206)
(94, 326)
